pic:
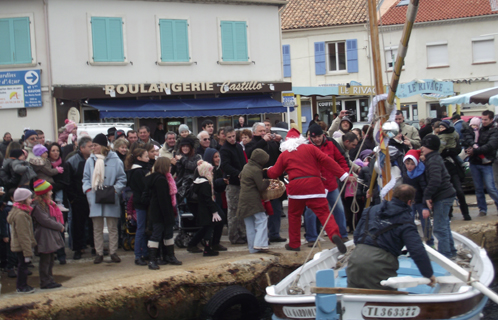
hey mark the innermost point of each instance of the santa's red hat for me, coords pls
(293, 134)
(414, 155)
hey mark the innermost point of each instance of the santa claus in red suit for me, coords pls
(303, 163)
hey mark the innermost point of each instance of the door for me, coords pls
(306, 113)
(352, 107)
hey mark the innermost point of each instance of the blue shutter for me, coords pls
(352, 55)
(15, 41)
(181, 41)
(287, 60)
(115, 40)
(320, 67)
(6, 52)
(167, 41)
(234, 41)
(107, 39)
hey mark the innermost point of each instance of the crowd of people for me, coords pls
(81, 185)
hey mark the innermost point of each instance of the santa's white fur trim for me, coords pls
(292, 144)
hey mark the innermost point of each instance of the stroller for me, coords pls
(186, 220)
(130, 223)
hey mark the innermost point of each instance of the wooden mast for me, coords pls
(379, 89)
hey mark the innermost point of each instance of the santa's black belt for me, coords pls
(305, 177)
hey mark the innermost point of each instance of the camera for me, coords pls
(272, 136)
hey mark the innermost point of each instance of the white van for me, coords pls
(93, 129)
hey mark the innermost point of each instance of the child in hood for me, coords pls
(448, 136)
(22, 237)
(17, 170)
(70, 127)
(414, 175)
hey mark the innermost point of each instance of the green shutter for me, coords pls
(6, 52)
(240, 31)
(15, 41)
(227, 43)
(107, 39)
(174, 40)
(234, 41)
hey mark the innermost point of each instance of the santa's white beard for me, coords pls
(292, 144)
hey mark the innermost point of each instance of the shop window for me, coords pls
(391, 56)
(483, 50)
(17, 45)
(107, 40)
(336, 54)
(410, 112)
(252, 119)
(234, 45)
(437, 55)
(225, 122)
(364, 110)
(174, 41)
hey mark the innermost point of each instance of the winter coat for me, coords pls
(3, 147)
(114, 176)
(43, 169)
(190, 136)
(47, 229)
(335, 128)
(16, 173)
(186, 166)
(160, 207)
(73, 178)
(271, 147)
(160, 136)
(136, 181)
(439, 185)
(458, 127)
(488, 144)
(418, 181)
(232, 161)
(329, 148)
(425, 131)
(167, 152)
(22, 238)
(449, 139)
(31, 155)
(390, 213)
(218, 181)
(411, 134)
(345, 153)
(206, 207)
(252, 184)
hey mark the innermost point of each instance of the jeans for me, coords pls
(257, 235)
(275, 219)
(140, 238)
(340, 218)
(442, 229)
(426, 223)
(483, 177)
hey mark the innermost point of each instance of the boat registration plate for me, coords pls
(300, 312)
(390, 312)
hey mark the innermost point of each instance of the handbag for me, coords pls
(105, 195)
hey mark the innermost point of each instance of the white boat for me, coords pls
(454, 297)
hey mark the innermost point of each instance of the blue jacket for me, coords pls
(416, 179)
(385, 215)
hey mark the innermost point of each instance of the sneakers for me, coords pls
(219, 247)
(194, 249)
(482, 213)
(338, 242)
(140, 262)
(115, 258)
(26, 289)
(98, 259)
(61, 207)
(287, 247)
(52, 285)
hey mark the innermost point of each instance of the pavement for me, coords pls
(84, 282)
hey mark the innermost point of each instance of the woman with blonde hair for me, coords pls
(104, 171)
(162, 211)
(121, 148)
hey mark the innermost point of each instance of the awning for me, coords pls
(180, 108)
(316, 91)
(484, 96)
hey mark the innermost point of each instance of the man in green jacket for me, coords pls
(409, 133)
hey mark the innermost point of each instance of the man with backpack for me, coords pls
(382, 232)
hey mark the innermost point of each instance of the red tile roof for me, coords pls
(299, 14)
(435, 10)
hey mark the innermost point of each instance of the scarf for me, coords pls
(98, 172)
(172, 189)
(476, 134)
(56, 163)
(23, 207)
(417, 171)
(55, 211)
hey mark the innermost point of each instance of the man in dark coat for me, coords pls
(73, 178)
(7, 139)
(160, 133)
(439, 194)
(382, 232)
(232, 162)
(481, 161)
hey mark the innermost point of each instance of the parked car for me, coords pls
(93, 129)
(281, 131)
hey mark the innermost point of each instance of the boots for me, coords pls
(209, 252)
(159, 261)
(169, 255)
(152, 259)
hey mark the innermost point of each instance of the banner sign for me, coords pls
(288, 99)
(20, 89)
(444, 88)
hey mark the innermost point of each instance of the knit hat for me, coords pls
(365, 153)
(111, 131)
(22, 194)
(41, 187)
(431, 141)
(39, 149)
(187, 142)
(183, 127)
(16, 153)
(119, 133)
(293, 134)
(445, 123)
(315, 130)
(475, 121)
(70, 125)
(100, 139)
(414, 155)
(29, 133)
